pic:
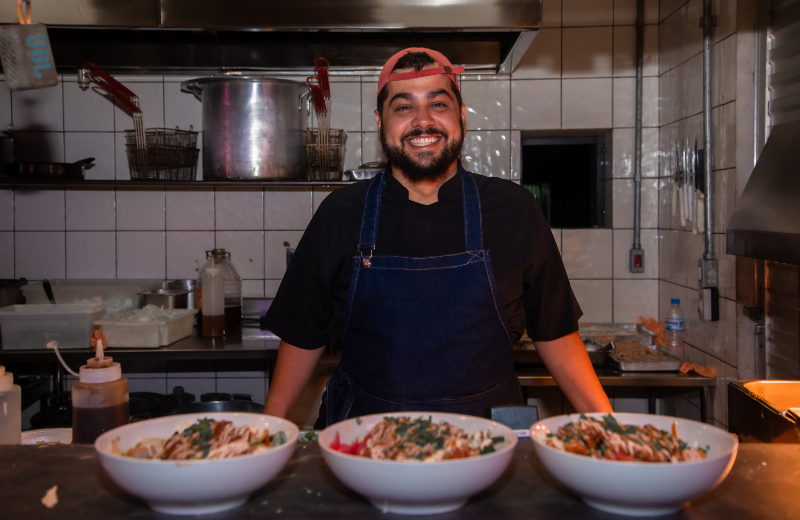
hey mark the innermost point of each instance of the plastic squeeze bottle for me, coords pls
(10, 409)
(213, 300)
(99, 398)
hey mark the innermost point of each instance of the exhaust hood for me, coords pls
(766, 222)
(211, 36)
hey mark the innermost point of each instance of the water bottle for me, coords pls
(675, 328)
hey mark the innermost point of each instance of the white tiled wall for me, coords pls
(577, 74)
(680, 111)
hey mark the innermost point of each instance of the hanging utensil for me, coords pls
(321, 111)
(681, 190)
(322, 74)
(674, 202)
(124, 96)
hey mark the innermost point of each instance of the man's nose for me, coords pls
(423, 118)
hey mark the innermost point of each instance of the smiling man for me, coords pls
(425, 276)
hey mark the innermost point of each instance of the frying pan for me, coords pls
(51, 170)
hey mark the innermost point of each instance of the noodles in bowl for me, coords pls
(628, 478)
(195, 483)
(395, 478)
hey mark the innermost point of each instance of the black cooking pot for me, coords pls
(221, 402)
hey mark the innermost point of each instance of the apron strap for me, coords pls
(372, 210)
(473, 222)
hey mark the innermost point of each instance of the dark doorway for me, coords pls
(566, 176)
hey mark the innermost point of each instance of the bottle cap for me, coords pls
(6, 380)
(675, 301)
(100, 369)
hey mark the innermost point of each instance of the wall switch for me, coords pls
(711, 304)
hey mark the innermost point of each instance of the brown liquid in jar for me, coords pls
(89, 423)
(233, 318)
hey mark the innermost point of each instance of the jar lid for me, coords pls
(6, 380)
(218, 254)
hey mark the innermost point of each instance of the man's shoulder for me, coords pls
(344, 198)
(494, 188)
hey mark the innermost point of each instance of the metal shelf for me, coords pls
(99, 184)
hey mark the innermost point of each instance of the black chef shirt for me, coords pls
(531, 280)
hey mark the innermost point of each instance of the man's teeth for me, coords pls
(423, 141)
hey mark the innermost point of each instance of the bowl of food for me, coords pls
(199, 463)
(417, 462)
(634, 464)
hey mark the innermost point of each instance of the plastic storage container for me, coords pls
(31, 327)
(10, 409)
(117, 295)
(147, 334)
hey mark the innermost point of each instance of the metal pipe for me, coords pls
(637, 153)
(637, 254)
(708, 145)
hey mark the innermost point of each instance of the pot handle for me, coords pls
(304, 97)
(193, 87)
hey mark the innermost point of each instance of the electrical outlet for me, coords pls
(637, 261)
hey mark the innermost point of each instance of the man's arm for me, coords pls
(569, 364)
(292, 371)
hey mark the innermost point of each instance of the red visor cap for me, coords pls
(445, 68)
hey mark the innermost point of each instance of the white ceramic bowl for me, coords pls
(417, 488)
(199, 486)
(639, 488)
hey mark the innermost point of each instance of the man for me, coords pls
(426, 275)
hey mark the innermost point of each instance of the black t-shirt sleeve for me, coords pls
(303, 306)
(551, 310)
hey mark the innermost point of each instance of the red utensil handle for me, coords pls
(322, 72)
(113, 87)
(316, 92)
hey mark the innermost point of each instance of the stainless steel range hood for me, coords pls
(357, 36)
(766, 222)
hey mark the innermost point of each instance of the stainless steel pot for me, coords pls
(253, 127)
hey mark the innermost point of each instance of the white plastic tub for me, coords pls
(117, 295)
(32, 327)
(147, 334)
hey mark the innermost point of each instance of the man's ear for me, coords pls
(464, 116)
(378, 119)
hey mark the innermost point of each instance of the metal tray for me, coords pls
(670, 365)
(605, 333)
(525, 353)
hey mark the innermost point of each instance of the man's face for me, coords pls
(422, 128)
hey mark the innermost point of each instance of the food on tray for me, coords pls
(404, 439)
(608, 439)
(700, 369)
(205, 439)
(632, 350)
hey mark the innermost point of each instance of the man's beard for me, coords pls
(425, 166)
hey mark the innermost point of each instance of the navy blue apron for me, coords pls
(425, 334)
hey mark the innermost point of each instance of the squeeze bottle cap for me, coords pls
(100, 369)
(6, 380)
